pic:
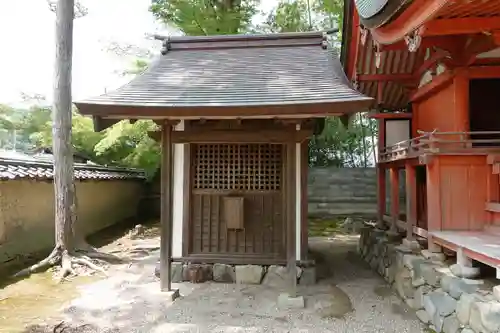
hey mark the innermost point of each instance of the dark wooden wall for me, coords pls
(253, 172)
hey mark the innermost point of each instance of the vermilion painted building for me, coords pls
(433, 67)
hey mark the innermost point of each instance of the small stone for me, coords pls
(464, 305)
(249, 274)
(224, 273)
(465, 272)
(287, 302)
(451, 324)
(433, 256)
(423, 316)
(308, 276)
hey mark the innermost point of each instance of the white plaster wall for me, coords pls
(178, 202)
(396, 131)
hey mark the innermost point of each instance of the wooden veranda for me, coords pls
(433, 67)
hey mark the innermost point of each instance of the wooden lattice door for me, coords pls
(252, 172)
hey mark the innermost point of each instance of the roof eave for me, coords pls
(325, 108)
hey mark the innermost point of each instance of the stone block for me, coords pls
(411, 244)
(249, 274)
(308, 276)
(403, 283)
(432, 274)
(390, 273)
(224, 273)
(171, 295)
(423, 316)
(277, 276)
(197, 273)
(457, 286)
(467, 330)
(451, 324)
(175, 274)
(438, 321)
(419, 294)
(496, 292)
(485, 317)
(287, 302)
(409, 259)
(442, 303)
(464, 271)
(464, 306)
(433, 256)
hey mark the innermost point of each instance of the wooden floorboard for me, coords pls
(486, 244)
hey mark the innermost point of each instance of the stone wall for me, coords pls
(449, 299)
(347, 191)
(273, 276)
(27, 211)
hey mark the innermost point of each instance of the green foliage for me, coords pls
(339, 146)
(206, 17)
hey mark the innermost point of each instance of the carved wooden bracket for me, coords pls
(414, 39)
(363, 35)
(378, 54)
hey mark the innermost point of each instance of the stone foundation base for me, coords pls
(444, 301)
(274, 276)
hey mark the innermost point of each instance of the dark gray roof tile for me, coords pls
(20, 169)
(238, 71)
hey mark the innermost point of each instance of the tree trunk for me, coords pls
(64, 183)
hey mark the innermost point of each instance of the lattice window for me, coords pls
(249, 167)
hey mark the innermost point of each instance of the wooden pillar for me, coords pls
(291, 253)
(381, 175)
(394, 176)
(411, 200)
(381, 195)
(166, 208)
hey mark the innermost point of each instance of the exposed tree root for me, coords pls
(70, 261)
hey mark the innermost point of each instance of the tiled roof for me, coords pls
(237, 71)
(19, 169)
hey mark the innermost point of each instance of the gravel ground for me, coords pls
(130, 301)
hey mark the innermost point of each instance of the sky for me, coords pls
(27, 33)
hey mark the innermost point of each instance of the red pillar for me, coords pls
(381, 195)
(411, 200)
(394, 177)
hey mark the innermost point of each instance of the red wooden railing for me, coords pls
(442, 142)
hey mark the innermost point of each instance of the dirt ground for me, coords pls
(348, 298)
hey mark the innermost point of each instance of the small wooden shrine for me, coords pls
(433, 67)
(235, 113)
